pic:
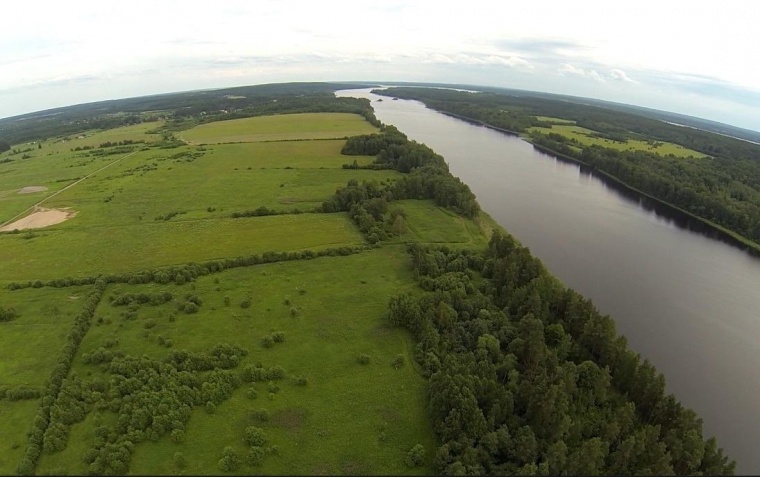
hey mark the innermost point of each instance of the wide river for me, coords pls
(687, 302)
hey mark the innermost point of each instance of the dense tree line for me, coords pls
(19, 393)
(723, 188)
(425, 176)
(528, 377)
(43, 419)
(186, 273)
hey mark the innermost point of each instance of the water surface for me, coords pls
(687, 302)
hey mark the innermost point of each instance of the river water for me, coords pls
(687, 302)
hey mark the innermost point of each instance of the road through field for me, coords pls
(38, 204)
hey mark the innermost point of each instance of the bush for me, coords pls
(416, 456)
(229, 461)
(363, 359)
(7, 314)
(245, 303)
(255, 436)
(260, 415)
(267, 341)
(179, 461)
(190, 308)
(278, 336)
(256, 456)
(398, 361)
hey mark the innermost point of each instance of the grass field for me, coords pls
(156, 207)
(64, 250)
(550, 119)
(29, 344)
(585, 137)
(349, 419)
(284, 127)
(428, 223)
(15, 420)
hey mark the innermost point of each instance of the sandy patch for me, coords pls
(40, 218)
(32, 189)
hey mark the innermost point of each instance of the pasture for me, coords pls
(349, 418)
(29, 344)
(282, 127)
(351, 400)
(580, 136)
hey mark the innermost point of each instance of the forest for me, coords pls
(723, 188)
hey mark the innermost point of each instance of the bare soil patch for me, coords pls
(32, 189)
(40, 218)
(290, 419)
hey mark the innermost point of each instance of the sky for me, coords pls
(696, 58)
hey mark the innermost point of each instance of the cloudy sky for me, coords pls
(697, 58)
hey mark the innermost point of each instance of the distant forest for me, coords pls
(723, 188)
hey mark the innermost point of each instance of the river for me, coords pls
(687, 302)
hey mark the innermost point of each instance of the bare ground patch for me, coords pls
(40, 218)
(291, 419)
(32, 189)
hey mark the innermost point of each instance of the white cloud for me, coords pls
(584, 73)
(143, 44)
(619, 75)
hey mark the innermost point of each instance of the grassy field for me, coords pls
(428, 223)
(586, 137)
(284, 127)
(150, 207)
(29, 344)
(15, 420)
(550, 119)
(68, 250)
(349, 419)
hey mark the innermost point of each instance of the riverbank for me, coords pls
(718, 231)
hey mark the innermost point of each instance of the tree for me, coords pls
(229, 461)
(255, 436)
(4, 146)
(416, 456)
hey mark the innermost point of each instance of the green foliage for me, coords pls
(363, 358)
(7, 314)
(255, 436)
(416, 456)
(255, 456)
(230, 462)
(527, 376)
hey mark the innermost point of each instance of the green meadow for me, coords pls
(350, 418)
(587, 137)
(349, 400)
(284, 127)
(29, 344)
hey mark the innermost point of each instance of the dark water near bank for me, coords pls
(687, 302)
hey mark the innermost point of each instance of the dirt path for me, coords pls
(38, 204)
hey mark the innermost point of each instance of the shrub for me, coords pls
(255, 436)
(278, 336)
(255, 456)
(245, 303)
(267, 341)
(416, 456)
(363, 358)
